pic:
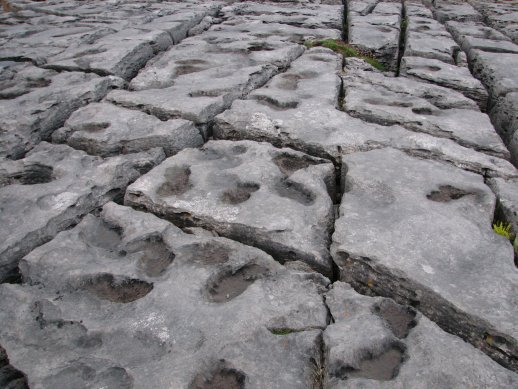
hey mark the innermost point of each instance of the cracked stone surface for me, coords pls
(225, 186)
(106, 130)
(298, 109)
(42, 105)
(67, 326)
(51, 188)
(390, 202)
(187, 186)
(376, 343)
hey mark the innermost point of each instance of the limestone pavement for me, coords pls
(203, 194)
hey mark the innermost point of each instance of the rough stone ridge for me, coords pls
(194, 310)
(227, 186)
(392, 201)
(51, 188)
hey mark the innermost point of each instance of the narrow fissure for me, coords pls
(402, 36)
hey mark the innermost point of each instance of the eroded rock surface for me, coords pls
(392, 201)
(196, 312)
(51, 188)
(278, 200)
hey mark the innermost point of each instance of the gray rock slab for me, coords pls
(377, 33)
(428, 38)
(460, 273)
(507, 194)
(33, 116)
(278, 200)
(51, 188)
(504, 115)
(105, 129)
(420, 107)
(488, 45)
(460, 30)
(19, 78)
(376, 343)
(121, 54)
(464, 12)
(129, 300)
(298, 109)
(444, 74)
(361, 7)
(498, 72)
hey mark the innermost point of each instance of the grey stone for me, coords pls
(420, 107)
(420, 232)
(428, 38)
(507, 194)
(376, 343)
(504, 114)
(227, 187)
(298, 109)
(51, 188)
(19, 78)
(460, 30)
(128, 300)
(33, 116)
(105, 129)
(377, 33)
(464, 12)
(497, 71)
(447, 75)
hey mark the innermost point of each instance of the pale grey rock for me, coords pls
(464, 12)
(27, 119)
(447, 75)
(420, 107)
(105, 129)
(377, 33)
(234, 188)
(51, 188)
(507, 194)
(19, 78)
(376, 343)
(298, 109)
(498, 72)
(461, 30)
(504, 114)
(460, 273)
(361, 7)
(128, 300)
(427, 38)
(488, 45)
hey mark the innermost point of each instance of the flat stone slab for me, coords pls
(375, 343)
(377, 32)
(420, 232)
(497, 71)
(234, 188)
(51, 188)
(298, 109)
(33, 115)
(106, 130)
(126, 300)
(420, 107)
(446, 75)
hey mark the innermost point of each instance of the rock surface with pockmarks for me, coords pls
(278, 200)
(128, 300)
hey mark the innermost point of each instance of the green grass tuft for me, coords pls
(346, 50)
(503, 229)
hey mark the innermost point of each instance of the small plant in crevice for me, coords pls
(503, 229)
(346, 50)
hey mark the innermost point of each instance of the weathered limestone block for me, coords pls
(463, 12)
(278, 200)
(129, 300)
(427, 38)
(51, 188)
(19, 78)
(420, 107)
(378, 32)
(507, 194)
(498, 72)
(28, 118)
(444, 74)
(420, 232)
(376, 343)
(105, 129)
(298, 109)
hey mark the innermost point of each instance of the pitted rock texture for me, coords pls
(67, 328)
(51, 188)
(278, 200)
(31, 115)
(105, 129)
(376, 343)
(392, 201)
